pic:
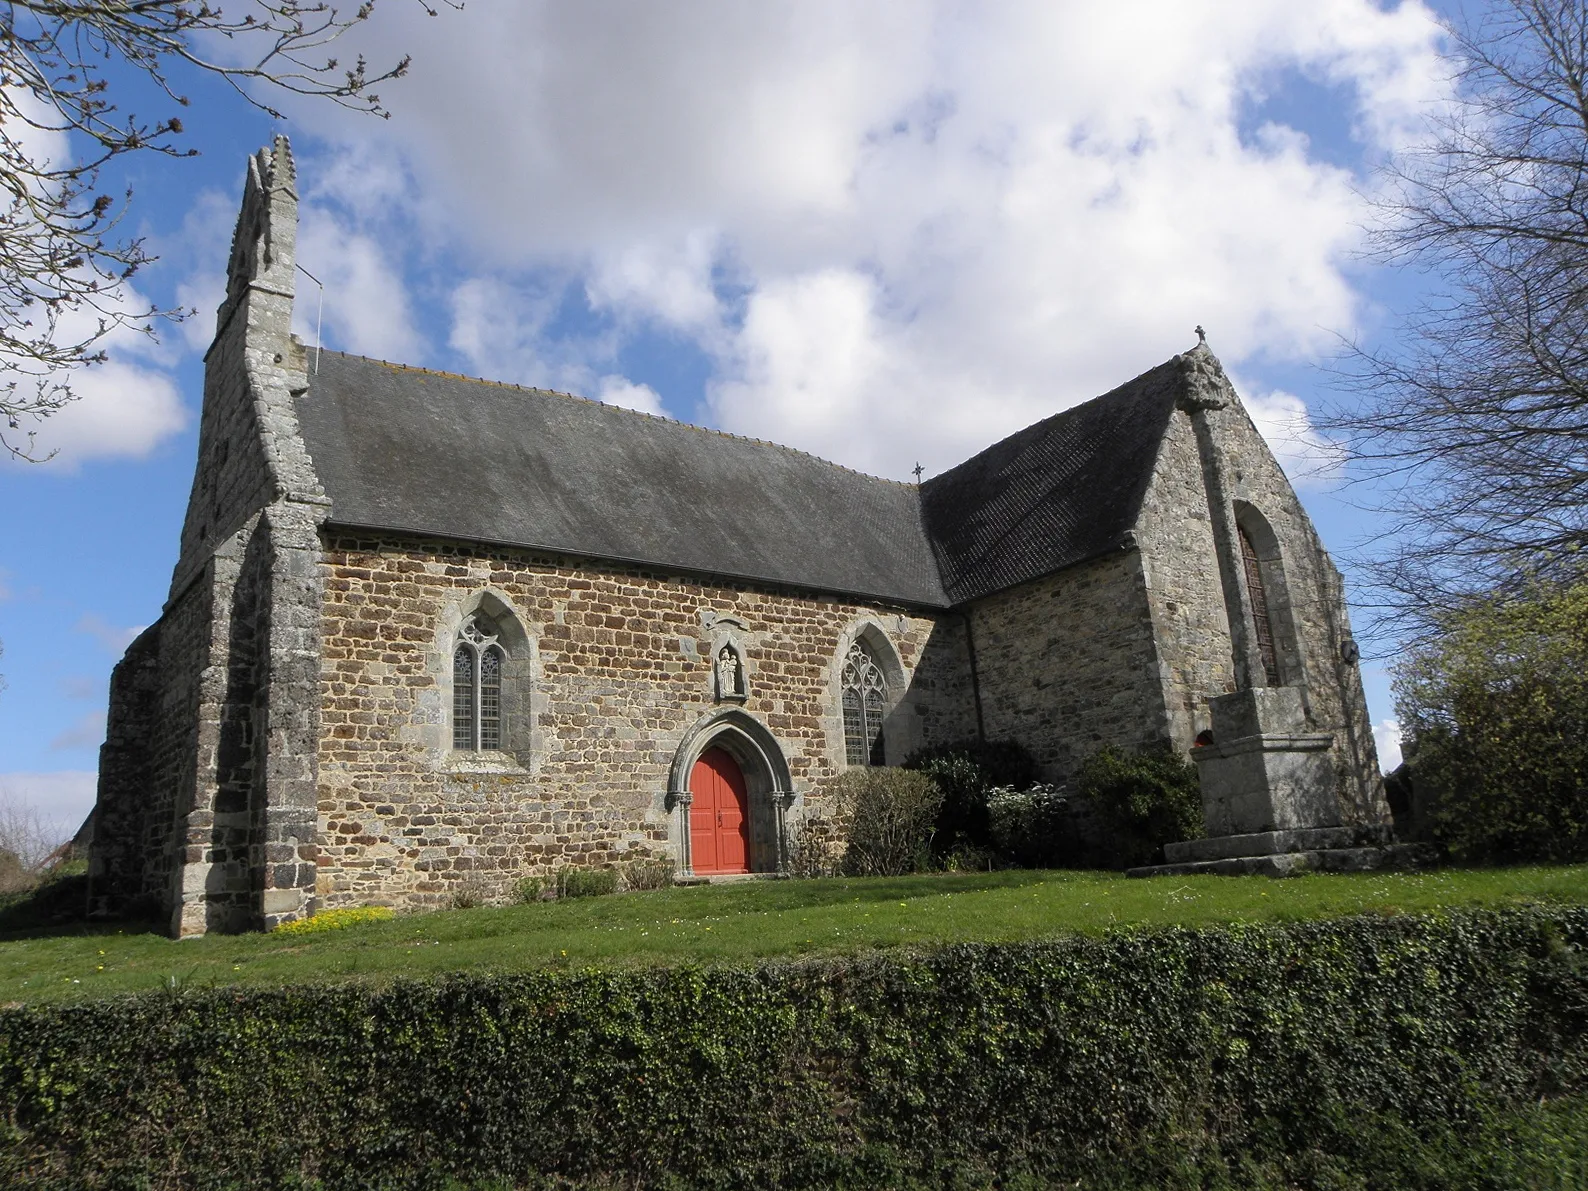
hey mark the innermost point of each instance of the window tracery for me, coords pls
(865, 700)
(477, 687)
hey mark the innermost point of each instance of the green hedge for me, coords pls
(1366, 1052)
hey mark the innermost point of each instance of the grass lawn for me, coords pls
(744, 921)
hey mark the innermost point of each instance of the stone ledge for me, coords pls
(1268, 843)
(1390, 857)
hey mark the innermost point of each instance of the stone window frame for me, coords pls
(900, 731)
(1250, 521)
(521, 694)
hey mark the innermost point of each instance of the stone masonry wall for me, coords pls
(228, 827)
(620, 669)
(1067, 663)
(1306, 598)
(120, 816)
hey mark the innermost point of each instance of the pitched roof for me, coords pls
(431, 453)
(1057, 493)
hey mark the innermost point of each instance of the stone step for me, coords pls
(1386, 857)
(1265, 843)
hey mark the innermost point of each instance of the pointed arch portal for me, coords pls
(730, 785)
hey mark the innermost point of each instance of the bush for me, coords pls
(1372, 1053)
(1033, 827)
(1494, 719)
(528, 890)
(334, 920)
(647, 874)
(586, 882)
(889, 814)
(1142, 801)
(965, 772)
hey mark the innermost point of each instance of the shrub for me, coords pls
(1371, 1052)
(528, 890)
(965, 772)
(649, 873)
(1142, 801)
(1033, 827)
(586, 882)
(818, 848)
(334, 920)
(1494, 715)
(890, 814)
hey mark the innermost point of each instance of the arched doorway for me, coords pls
(719, 814)
(739, 753)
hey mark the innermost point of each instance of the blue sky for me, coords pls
(885, 233)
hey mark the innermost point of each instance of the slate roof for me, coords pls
(431, 453)
(1057, 493)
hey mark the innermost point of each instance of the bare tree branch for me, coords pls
(1478, 426)
(62, 264)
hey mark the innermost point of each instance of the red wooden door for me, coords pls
(719, 818)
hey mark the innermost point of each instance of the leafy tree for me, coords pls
(1494, 714)
(1476, 423)
(62, 261)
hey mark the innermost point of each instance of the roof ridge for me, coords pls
(504, 384)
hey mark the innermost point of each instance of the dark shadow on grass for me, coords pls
(58, 905)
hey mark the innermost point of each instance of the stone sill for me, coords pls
(492, 763)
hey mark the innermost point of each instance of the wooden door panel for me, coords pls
(719, 820)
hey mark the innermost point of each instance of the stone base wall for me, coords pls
(147, 765)
(1067, 664)
(613, 671)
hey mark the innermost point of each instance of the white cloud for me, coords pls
(61, 799)
(505, 335)
(201, 250)
(1387, 739)
(367, 309)
(1310, 458)
(114, 639)
(121, 409)
(897, 230)
(618, 390)
(86, 732)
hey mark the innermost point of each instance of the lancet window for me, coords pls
(865, 696)
(1261, 616)
(477, 687)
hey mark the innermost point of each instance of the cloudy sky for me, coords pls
(885, 233)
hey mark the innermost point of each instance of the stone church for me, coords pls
(428, 632)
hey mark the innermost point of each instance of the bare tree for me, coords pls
(62, 260)
(27, 841)
(1477, 426)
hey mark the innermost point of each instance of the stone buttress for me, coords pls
(208, 790)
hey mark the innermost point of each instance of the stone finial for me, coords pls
(264, 242)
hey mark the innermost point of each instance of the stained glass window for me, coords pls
(463, 698)
(865, 699)
(477, 688)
